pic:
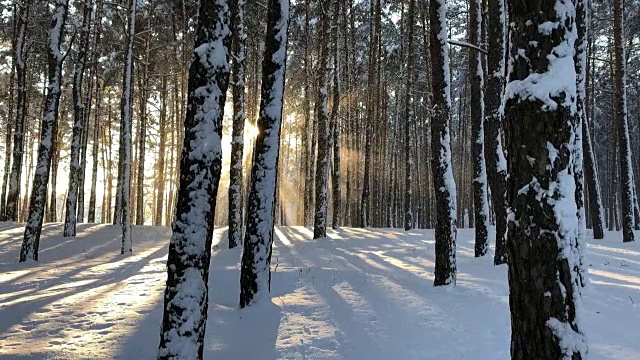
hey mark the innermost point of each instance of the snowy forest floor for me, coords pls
(361, 294)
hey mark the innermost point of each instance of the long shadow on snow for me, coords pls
(21, 310)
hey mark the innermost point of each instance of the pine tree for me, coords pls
(186, 293)
(48, 131)
(19, 59)
(541, 120)
(125, 132)
(443, 182)
(236, 179)
(322, 114)
(409, 122)
(70, 219)
(335, 120)
(255, 275)
(495, 160)
(480, 196)
(624, 147)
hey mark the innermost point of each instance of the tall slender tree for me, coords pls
(409, 121)
(622, 122)
(335, 119)
(443, 181)
(70, 219)
(322, 115)
(476, 72)
(255, 273)
(541, 121)
(495, 160)
(236, 180)
(19, 59)
(55, 58)
(125, 131)
(186, 293)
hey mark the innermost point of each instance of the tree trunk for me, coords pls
(160, 179)
(544, 290)
(476, 72)
(624, 148)
(13, 195)
(335, 120)
(322, 114)
(182, 337)
(78, 124)
(236, 203)
(443, 182)
(125, 132)
(31, 240)
(408, 122)
(255, 275)
(496, 162)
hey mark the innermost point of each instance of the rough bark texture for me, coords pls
(255, 274)
(540, 123)
(593, 182)
(125, 132)
(70, 219)
(31, 240)
(13, 195)
(365, 205)
(480, 196)
(624, 147)
(236, 180)
(409, 122)
(335, 120)
(322, 114)
(496, 162)
(443, 182)
(186, 293)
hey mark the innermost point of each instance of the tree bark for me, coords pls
(31, 240)
(322, 114)
(255, 274)
(236, 180)
(186, 293)
(496, 162)
(20, 58)
(624, 148)
(544, 290)
(443, 181)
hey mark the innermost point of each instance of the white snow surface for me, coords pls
(359, 294)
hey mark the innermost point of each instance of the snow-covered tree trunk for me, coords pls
(322, 114)
(78, 123)
(186, 294)
(480, 195)
(541, 123)
(236, 180)
(125, 132)
(624, 147)
(580, 60)
(308, 155)
(19, 59)
(444, 184)
(495, 160)
(335, 120)
(55, 58)
(593, 183)
(408, 121)
(255, 275)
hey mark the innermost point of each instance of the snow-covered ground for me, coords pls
(362, 294)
